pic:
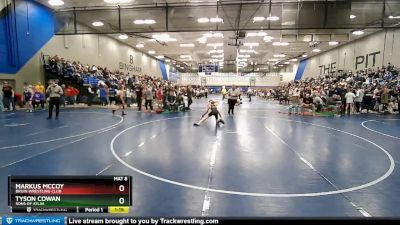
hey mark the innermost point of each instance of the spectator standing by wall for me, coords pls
(224, 92)
(55, 92)
(190, 94)
(139, 96)
(367, 100)
(160, 98)
(103, 95)
(148, 96)
(28, 95)
(92, 93)
(8, 96)
(350, 96)
(385, 98)
(359, 98)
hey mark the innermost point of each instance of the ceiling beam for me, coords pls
(229, 29)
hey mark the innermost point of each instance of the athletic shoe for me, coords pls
(113, 111)
(123, 114)
(222, 121)
(196, 124)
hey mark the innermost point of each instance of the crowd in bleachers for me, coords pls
(373, 90)
(103, 85)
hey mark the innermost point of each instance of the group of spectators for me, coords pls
(370, 90)
(33, 97)
(103, 86)
(155, 94)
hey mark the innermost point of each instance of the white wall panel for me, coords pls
(369, 52)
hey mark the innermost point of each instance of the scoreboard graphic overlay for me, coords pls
(74, 194)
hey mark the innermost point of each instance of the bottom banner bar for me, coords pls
(19, 220)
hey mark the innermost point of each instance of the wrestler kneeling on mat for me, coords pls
(212, 110)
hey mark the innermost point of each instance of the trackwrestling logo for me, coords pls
(33, 220)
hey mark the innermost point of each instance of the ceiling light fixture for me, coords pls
(217, 56)
(394, 17)
(140, 45)
(117, 1)
(152, 52)
(258, 19)
(211, 34)
(56, 2)
(203, 20)
(160, 57)
(304, 55)
(280, 43)
(251, 44)
(293, 60)
(280, 56)
(210, 20)
(316, 50)
(147, 22)
(358, 32)
(352, 16)
(98, 24)
(216, 51)
(333, 43)
(216, 20)
(215, 44)
(123, 37)
(268, 38)
(187, 45)
(272, 18)
(247, 51)
(256, 34)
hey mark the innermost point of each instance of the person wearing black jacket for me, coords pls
(8, 96)
(139, 95)
(189, 96)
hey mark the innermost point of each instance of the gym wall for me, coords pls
(22, 43)
(371, 51)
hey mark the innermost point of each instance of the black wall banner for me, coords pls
(361, 62)
(130, 67)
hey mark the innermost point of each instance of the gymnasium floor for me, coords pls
(261, 163)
